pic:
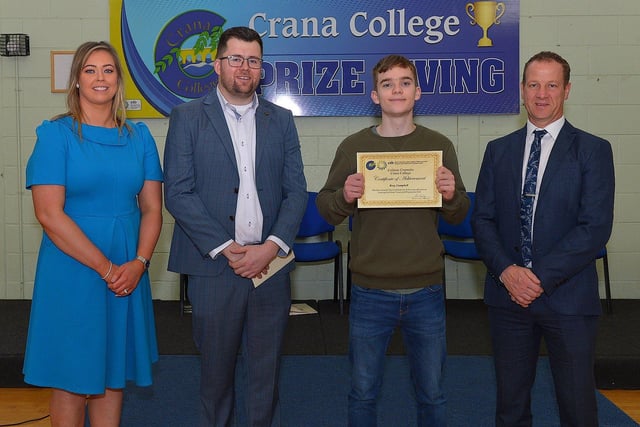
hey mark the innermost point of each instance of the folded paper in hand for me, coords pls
(274, 266)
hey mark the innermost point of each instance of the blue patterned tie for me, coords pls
(529, 196)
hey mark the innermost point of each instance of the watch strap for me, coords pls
(144, 261)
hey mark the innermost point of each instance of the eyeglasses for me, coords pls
(237, 61)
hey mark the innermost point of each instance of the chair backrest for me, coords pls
(312, 222)
(462, 230)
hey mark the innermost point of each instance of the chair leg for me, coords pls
(185, 305)
(183, 280)
(348, 296)
(607, 284)
(338, 281)
(444, 277)
(335, 279)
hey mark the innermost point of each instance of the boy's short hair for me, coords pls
(391, 61)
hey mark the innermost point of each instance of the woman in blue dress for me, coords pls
(96, 184)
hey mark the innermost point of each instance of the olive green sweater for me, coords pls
(392, 248)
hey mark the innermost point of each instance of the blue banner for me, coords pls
(318, 55)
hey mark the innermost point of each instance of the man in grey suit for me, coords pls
(235, 185)
(539, 222)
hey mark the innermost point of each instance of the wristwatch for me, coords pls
(144, 261)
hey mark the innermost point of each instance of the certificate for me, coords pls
(403, 179)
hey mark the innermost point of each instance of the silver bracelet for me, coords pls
(108, 272)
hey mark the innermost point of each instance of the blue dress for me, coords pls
(82, 338)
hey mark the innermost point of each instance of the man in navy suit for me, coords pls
(553, 293)
(235, 185)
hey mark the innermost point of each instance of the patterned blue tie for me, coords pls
(529, 196)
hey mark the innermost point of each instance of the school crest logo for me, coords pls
(185, 52)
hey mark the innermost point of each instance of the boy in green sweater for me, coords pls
(396, 253)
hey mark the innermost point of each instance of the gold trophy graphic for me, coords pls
(486, 13)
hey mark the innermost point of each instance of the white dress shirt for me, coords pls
(241, 122)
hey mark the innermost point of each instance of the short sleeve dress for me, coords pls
(82, 338)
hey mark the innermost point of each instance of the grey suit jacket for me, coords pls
(201, 181)
(573, 218)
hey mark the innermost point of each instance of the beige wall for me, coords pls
(600, 40)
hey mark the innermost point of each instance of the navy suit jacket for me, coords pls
(201, 181)
(573, 219)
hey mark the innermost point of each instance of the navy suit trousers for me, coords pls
(570, 341)
(229, 314)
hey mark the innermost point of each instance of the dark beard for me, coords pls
(241, 91)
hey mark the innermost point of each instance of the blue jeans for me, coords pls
(373, 317)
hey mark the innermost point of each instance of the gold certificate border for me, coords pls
(432, 202)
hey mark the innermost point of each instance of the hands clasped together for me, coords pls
(523, 285)
(251, 261)
(123, 279)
